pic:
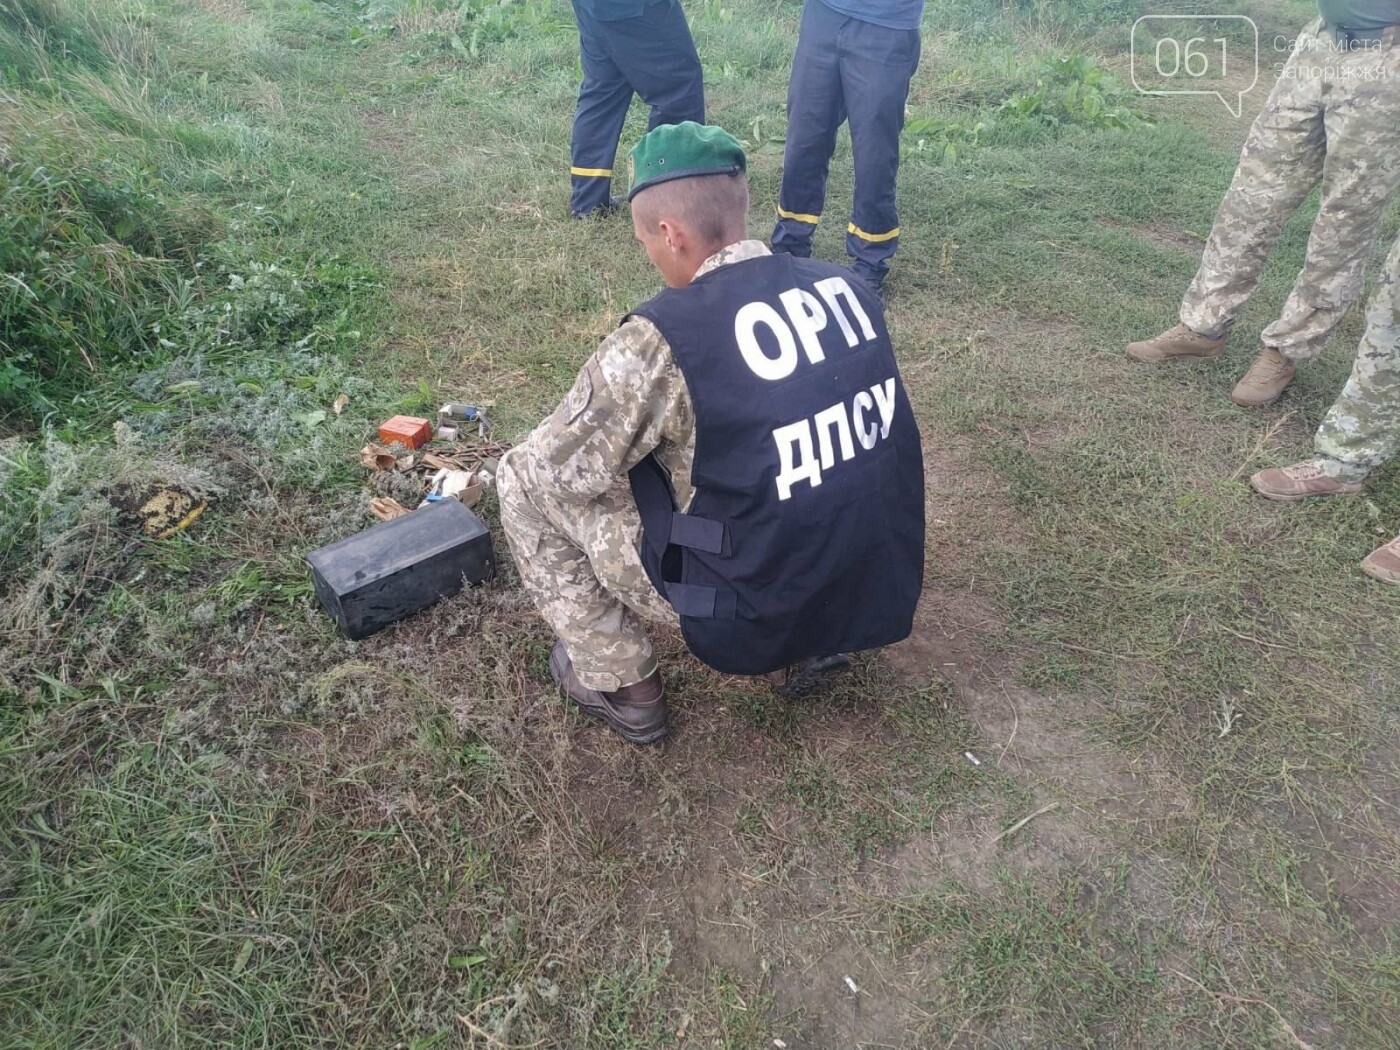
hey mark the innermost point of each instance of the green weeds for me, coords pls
(1071, 91)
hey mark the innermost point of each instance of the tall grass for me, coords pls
(110, 262)
(35, 34)
(92, 246)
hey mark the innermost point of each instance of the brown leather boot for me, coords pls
(807, 677)
(1299, 481)
(1176, 344)
(1383, 563)
(637, 712)
(1268, 377)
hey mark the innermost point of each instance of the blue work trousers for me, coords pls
(846, 69)
(652, 55)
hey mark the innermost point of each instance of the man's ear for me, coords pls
(674, 234)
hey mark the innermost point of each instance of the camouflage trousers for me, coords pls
(1362, 430)
(580, 564)
(1333, 116)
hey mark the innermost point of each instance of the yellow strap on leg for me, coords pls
(783, 213)
(592, 173)
(873, 238)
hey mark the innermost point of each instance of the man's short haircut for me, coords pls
(714, 207)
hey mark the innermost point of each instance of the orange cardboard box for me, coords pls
(406, 430)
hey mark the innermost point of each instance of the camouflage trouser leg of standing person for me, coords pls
(580, 564)
(1334, 115)
(1362, 430)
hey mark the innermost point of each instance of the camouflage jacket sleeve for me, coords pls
(629, 399)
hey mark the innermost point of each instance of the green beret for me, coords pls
(678, 151)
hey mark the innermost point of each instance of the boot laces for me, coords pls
(1271, 366)
(1180, 332)
(1304, 471)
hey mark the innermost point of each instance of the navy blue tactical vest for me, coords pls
(805, 536)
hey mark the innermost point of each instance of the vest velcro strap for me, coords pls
(700, 534)
(703, 603)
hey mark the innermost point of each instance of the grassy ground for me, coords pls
(224, 826)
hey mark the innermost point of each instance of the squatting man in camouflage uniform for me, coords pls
(1362, 429)
(1333, 116)
(739, 457)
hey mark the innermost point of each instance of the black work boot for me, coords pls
(609, 207)
(637, 712)
(874, 278)
(807, 677)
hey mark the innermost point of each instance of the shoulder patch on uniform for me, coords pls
(580, 395)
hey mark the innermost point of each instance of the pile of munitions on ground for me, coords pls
(416, 555)
(457, 459)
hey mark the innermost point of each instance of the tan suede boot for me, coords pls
(636, 712)
(1299, 481)
(1268, 377)
(1176, 344)
(1383, 563)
